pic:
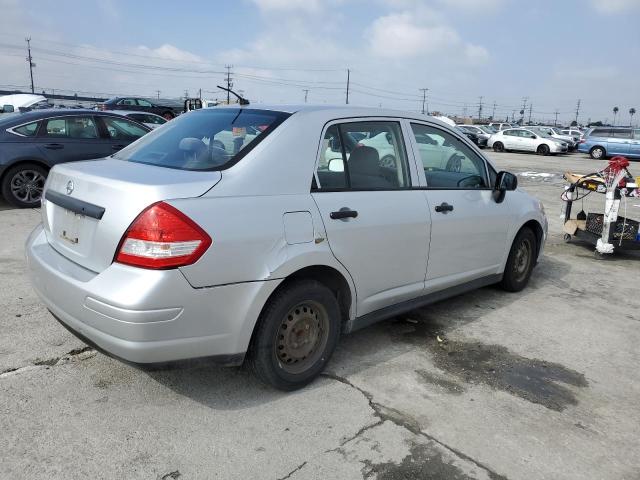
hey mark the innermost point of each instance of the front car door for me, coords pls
(528, 140)
(469, 229)
(377, 225)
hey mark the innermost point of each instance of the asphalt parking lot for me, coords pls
(542, 384)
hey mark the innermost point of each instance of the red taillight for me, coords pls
(162, 237)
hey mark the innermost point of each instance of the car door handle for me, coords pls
(343, 213)
(117, 147)
(444, 207)
(54, 146)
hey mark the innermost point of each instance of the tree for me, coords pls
(574, 123)
(632, 112)
(615, 114)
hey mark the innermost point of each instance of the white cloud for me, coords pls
(168, 52)
(474, 5)
(615, 6)
(406, 35)
(289, 5)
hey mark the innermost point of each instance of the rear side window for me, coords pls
(621, 134)
(127, 101)
(206, 139)
(363, 156)
(600, 132)
(28, 130)
(447, 161)
(71, 127)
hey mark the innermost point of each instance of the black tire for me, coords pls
(282, 356)
(522, 257)
(498, 147)
(543, 150)
(598, 153)
(168, 115)
(22, 185)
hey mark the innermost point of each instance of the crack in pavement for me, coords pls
(77, 354)
(298, 468)
(405, 421)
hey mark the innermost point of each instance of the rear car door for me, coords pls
(120, 132)
(468, 228)
(71, 138)
(376, 224)
(510, 139)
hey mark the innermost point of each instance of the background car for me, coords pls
(151, 120)
(482, 135)
(526, 140)
(575, 133)
(166, 110)
(501, 126)
(555, 133)
(33, 142)
(603, 142)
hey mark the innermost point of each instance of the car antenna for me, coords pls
(241, 100)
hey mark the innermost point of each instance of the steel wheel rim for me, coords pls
(27, 186)
(302, 337)
(522, 260)
(597, 153)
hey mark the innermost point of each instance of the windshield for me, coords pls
(543, 132)
(206, 139)
(487, 129)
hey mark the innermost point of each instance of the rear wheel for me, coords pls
(520, 262)
(22, 185)
(597, 153)
(543, 149)
(498, 147)
(296, 334)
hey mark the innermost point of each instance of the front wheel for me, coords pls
(498, 147)
(543, 150)
(597, 153)
(23, 184)
(296, 335)
(520, 263)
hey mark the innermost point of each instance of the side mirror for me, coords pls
(336, 165)
(534, 137)
(506, 181)
(7, 109)
(334, 144)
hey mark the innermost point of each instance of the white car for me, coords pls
(151, 120)
(577, 135)
(555, 133)
(501, 126)
(177, 248)
(13, 103)
(526, 140)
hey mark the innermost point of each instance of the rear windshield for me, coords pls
(206, 139)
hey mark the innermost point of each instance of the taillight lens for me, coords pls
(162, 237)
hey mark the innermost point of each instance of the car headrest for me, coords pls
(364, 161)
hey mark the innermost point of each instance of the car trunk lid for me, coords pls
(89, 205)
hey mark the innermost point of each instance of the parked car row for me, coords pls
(527, 140)
(603, 142)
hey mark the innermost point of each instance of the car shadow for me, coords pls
(224, 388)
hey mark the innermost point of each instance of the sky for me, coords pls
(465, 52)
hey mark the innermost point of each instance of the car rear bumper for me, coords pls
(145, 316)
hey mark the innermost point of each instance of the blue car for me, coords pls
(603, 142)
(33, 142)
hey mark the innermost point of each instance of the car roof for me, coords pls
(35, 115)
(129, 112)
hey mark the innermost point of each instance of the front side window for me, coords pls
(127, 101)
(447, 161)
(122, 129)
(363, 156)
(206, 139)
(143, 103)
(71, 127)
(28, 130)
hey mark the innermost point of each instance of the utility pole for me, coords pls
(348, 75)
(200, 93)
(555, 122)
(158, 94)
(480, 109)
(464, 111)
(306, 93)
(186, 94)
(30, 61)
(577, 110)
(524, 108)
(513, 116)
(530, 109)
(493, 113)
(424, 97)
(229, 82)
